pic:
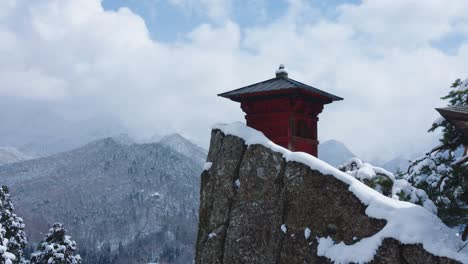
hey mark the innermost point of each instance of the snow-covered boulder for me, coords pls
(387, 184)
(269, 205)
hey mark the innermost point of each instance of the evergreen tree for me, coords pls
(56, 248)
(5, 256)
(13, 226)
(438, 172)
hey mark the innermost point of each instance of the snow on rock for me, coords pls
(284, 229)
(207, 166)
(307, 232)
(355, 167)
(237, 182)
(406, 222)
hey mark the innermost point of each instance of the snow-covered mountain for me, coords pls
(397, 164)
(123, 203)
(337, 153)
(334, 152)
(11, 155)
(185, 147)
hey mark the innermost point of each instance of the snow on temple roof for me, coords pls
(280, 83)
(406, 222)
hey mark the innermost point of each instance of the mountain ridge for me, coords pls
(112, 195)
(184, 146)
(11, 155)
(334, 152)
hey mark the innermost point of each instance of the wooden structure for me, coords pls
(458, 116)
(285, 110)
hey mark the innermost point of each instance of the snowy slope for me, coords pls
(11, 155)
(406, 222)
(334, 152)
(141, 198)
(185, 147)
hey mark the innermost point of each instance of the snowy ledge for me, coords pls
(406, 222)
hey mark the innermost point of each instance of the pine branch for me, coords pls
(460, 161)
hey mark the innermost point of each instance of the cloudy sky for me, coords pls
(157, 65)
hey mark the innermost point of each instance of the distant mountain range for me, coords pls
(11, 155)
(337, 153)
(334, 152)
(184, 147)
(397, 164)
(123, 202)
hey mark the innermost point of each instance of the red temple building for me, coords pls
(285, 110)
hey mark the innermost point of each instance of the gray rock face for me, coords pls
(257, 208)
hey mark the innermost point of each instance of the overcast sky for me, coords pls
(157, 65)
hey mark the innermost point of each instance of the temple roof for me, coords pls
(281, 83)
(454, 113)
(458, 116)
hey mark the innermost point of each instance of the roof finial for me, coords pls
(281, 72)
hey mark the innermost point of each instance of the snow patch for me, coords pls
(406, 222)
(284, 229)
(155, 195)
(207, 166)
(307, 232)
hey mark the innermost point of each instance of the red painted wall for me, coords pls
(290, 122)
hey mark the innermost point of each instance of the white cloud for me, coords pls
(404, 23)
(31, 84)
(94, 61)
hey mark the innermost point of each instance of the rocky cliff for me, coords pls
(257, 206)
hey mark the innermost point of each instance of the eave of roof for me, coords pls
(454, 113)
(273, 85)
(458, 116)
